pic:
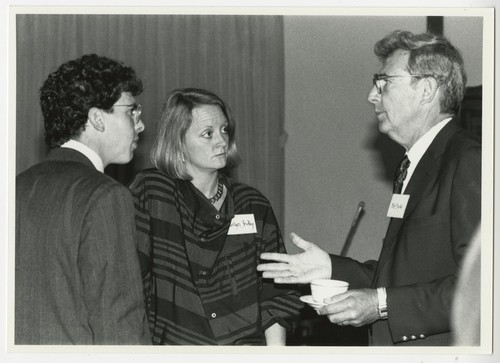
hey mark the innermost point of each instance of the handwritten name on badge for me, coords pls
(398, 205)
(242, 224)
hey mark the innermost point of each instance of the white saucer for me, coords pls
(308, 299)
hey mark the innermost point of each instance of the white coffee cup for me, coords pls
(324, 288)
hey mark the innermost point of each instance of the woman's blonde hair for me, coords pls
(169, 147)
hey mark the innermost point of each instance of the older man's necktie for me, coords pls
(400, 176)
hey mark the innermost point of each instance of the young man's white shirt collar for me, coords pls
(420, 147)
(88, 152)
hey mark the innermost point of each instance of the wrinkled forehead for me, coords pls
(208, 114)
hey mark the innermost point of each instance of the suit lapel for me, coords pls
(426, 170)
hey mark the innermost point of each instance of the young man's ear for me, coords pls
(95, 119)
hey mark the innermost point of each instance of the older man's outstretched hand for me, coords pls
(313, 263)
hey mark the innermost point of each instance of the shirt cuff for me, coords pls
(382, 303)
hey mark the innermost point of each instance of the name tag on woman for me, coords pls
(242, 224)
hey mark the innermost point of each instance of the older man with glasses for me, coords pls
(406, 296)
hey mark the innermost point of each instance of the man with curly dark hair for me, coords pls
(77, 277)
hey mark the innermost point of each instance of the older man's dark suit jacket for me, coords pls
(422, 252)
(77, 276)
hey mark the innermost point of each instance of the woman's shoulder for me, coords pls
(152, 177)
(242, 191)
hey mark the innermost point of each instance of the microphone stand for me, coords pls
(352, 230)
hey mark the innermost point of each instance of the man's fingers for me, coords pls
(273, 256)
(336, 298)
(331, 309)
(273, 267)
(300, 242)
(285, 277)
(277, 275)
(288, 280)
(334, 305)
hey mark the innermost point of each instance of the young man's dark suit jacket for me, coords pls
(422, 252)
(77, 276)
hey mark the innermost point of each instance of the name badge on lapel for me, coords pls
(398, 205)
(242, 224)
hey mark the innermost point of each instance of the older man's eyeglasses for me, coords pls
(379, 78)
(135, 111)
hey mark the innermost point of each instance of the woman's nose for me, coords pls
(222, 139)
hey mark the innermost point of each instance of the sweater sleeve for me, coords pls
(142, 203)
(139, 190)
(280, 303)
